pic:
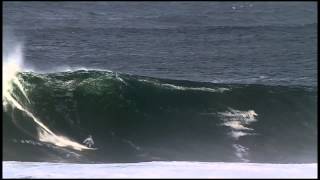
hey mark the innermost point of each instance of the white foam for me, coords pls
(241, 152)
(237, 134)
(243, 117)
(173, 169)
(237, 120)
(183, 88)
(236, 125)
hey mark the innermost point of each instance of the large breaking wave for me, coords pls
(135, 118)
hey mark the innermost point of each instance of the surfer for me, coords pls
(89, 141)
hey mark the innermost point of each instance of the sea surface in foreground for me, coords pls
(173, 169)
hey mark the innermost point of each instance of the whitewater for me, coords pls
(174, 169)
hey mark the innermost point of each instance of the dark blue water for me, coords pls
(229, 42)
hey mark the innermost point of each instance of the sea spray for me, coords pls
(12, 65)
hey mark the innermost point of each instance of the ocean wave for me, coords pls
(134, 118)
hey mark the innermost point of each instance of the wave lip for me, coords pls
(175, 87)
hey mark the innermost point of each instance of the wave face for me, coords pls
(135, 118)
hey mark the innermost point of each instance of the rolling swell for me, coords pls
(134, 118)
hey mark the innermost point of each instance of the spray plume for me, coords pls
(12, 65)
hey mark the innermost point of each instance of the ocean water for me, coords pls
(232, 42)
(221, 88)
